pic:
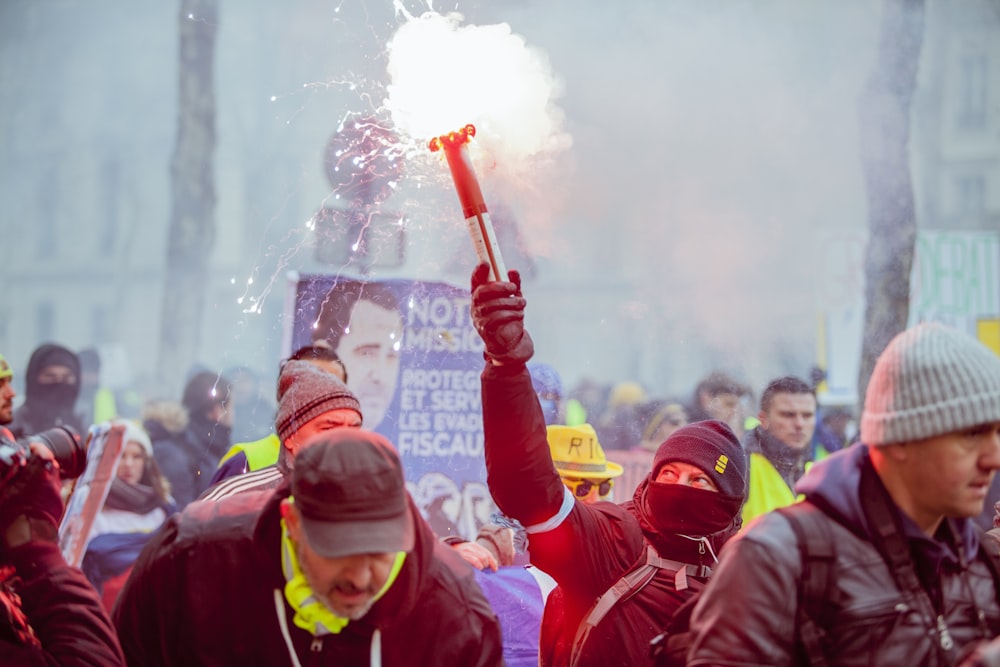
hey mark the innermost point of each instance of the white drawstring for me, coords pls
(703, 540)
(376, 655)
(279, 607)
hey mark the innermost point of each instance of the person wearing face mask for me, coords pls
(52, 384)
(641, 559)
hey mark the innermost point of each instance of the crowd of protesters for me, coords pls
(635, 529)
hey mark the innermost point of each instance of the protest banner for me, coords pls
(413, 360)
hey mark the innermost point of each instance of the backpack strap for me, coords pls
(631, 583)
(817, 588)
(888, 538)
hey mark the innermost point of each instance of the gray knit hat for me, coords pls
(930, 380)
(305, 392)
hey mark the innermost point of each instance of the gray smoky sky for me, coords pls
(711, 142)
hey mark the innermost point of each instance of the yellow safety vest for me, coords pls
(105, 408)
(575, 413)
(767, 490)
(260, 453)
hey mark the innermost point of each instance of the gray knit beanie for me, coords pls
(930, 380)
(305, 392)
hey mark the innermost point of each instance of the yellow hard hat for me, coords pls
(5, 369)
(577, 453)
(626, 393)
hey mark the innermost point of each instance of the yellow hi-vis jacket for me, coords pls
(767, 490)
(260, 453)
(105, 408)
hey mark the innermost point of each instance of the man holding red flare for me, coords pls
(641, 559)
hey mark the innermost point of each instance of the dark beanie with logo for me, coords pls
(711, 446)
(305, 392)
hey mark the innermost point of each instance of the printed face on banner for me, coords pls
(370, 349)
(413, 360)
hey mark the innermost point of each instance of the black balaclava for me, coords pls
(51, 404)
(676, 517)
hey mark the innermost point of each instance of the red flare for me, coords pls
(471, 197)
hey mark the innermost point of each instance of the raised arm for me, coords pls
(519, 468)
(603, 539)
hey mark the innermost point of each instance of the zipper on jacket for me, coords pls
(947, 643)
(317, 645)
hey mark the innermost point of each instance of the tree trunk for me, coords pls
(884, 112)
(191, 233)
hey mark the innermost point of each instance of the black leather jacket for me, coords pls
(747, 614)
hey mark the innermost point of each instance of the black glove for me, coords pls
(34, 492)
(498, 315)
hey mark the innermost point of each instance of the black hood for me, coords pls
(44, 356)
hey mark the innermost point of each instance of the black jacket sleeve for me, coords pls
(593, 544)
(519, 469)
(64, 611)
(176, 467)
(157, 582)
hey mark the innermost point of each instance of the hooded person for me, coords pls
(187, 446)
(665, 538)
(52, 385)
(336, 566)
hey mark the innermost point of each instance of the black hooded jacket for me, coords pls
(47, 406)
(187, 449)
(585, 548)
(208, 590)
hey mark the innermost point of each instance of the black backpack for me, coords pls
(633, 581)
(817, 590)
(817, 554)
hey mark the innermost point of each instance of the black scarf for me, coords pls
(138, 498)
(674, 521)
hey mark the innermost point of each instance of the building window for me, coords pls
(45, 321)
(100, 325)
(44, 223)
(972, 92)
(110, 183)
(970, 194)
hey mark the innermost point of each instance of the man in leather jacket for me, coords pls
(907, 580)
